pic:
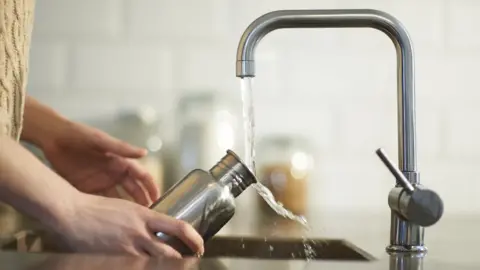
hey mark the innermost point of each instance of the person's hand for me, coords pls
(95, 163)
(109, 225)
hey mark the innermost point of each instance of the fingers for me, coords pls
(190, 263)
(136, 191)
(107, 143)
(157, 249)
(133, 251)
(136, 171)
(135, 180)
(112, 193)
(180, 229)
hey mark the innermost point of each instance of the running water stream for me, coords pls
(249, 129)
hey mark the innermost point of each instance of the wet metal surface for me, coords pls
(43, 261)
(453, 244)
(225, 247)
(284, 248)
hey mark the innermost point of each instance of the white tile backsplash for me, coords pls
(365, 127)
(52, 59)
(78, 20)
(121, 67)
(336, 87)
(205, 67)
(462, 23)
(463, 133)
(177, 18)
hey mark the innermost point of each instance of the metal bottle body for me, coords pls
(206, 200)
(197, 199)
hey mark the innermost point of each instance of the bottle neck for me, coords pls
(232, 173)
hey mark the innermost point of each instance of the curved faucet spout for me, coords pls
(354, 18)
(329, 18)
(404, 235)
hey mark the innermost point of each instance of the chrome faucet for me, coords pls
(413, 207)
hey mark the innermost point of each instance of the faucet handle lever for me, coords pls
(402, 180)
(416, 204)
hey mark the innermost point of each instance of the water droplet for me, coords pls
(263, 191)
(249, 129)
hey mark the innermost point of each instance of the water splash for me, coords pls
(249, 159)
(277, 206)
(249, 127)
(310, 253)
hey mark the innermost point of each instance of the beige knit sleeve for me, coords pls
(16, 23)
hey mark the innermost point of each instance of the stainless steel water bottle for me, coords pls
(206, 200)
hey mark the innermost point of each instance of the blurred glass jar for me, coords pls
(284, 165)
(141, 127)
(206, 128)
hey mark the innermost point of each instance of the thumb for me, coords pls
(178, 228)
(106, 143)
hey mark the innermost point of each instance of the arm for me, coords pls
(28, 185)
(43, 127)
(74, 150)
(87, 222)
(41, 123)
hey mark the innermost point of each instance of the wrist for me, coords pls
(34, 189)
(42, 125)
(58, 216)
(49, 133)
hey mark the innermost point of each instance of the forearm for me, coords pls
(40, 123)
(31, 187)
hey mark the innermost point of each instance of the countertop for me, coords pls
(42, 261)
(369, 231)
(452, 245)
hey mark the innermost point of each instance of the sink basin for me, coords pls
(225, 247)
(284, 249)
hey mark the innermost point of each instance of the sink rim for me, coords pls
(325, 248)
(40, 241)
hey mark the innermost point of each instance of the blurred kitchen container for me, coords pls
(206, 128)
(284, 164)
(142, 127)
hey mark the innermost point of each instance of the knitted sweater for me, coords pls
(16, 23)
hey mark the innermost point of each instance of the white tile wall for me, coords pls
(79, 20)
(109, 66)
(336, 87)
(177, 19)
(49, 57)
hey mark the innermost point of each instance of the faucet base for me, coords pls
(406, 249)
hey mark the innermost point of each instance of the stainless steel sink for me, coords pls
(284, 249)
(224, 247)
